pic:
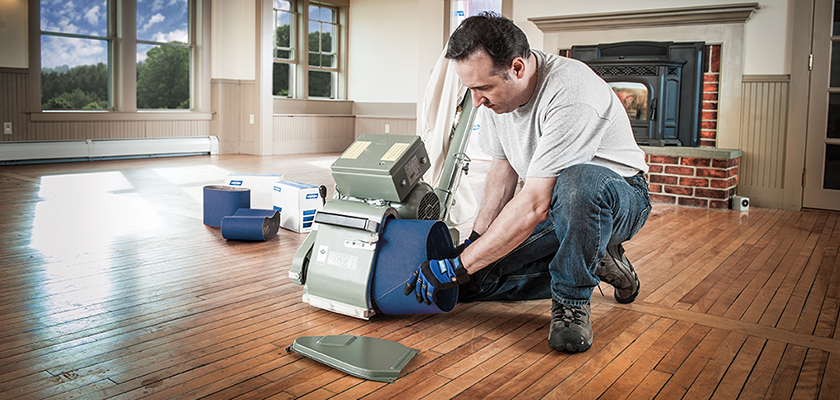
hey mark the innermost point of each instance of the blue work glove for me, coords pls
(460, 249)
(435, 275)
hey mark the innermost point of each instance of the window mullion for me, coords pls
(302, 81)
(126, 57)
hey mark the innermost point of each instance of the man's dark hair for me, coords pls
(496, 35)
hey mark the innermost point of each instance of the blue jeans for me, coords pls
(591, 207)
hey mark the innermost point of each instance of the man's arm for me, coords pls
(507, 220)
(499, 187)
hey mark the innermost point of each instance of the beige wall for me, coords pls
(233, 39)
(13, 40)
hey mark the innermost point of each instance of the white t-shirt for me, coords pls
(573, 117)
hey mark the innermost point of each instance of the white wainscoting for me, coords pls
(312, 133)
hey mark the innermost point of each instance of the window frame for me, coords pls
(300, 65)
(333, 70)
(110, 39)
(123, 70)
(190, 45)
(294, 60)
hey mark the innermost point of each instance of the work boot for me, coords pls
(570, 329)
(616, 270)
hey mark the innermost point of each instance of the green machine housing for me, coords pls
(377, 177)
(382, 167)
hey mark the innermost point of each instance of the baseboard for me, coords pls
(93, 149)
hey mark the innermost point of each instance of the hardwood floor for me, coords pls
(112, 287)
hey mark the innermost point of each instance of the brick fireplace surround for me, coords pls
(697, 177)
(702, 176)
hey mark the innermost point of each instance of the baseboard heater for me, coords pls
(104, 149)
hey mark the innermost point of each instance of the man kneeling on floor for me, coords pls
(555, 124)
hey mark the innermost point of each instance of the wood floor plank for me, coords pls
(686, 376)
(810, 378)
(650, 386)
(698, 281)
(700, 262)
(831, 381)
(763, 370)
(708, 379)
(787, 373)
(764, 266)
(682, 349)
(751, 263)
(709, 292)
(635, 373)
(730, 385)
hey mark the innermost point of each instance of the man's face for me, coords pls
(496, 91)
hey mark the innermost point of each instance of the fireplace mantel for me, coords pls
(716, 14)
(722, 25)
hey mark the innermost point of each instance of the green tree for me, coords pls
(320, 84)
(164, 78)
(280, 72)
(280, 80)
(283, 40)
(83, 86)
(320, 55)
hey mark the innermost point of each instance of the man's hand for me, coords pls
(460, 249)
(435, 275)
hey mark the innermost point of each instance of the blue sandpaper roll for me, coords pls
(222, 200)
(251, 224)
(403, 245)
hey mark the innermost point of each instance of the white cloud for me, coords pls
(69, 11)
(64, 25)
(56, 52)
(166, 37)
(92, 15)
(157, 5)
(153, 20)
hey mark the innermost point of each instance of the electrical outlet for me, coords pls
(251, 118)
(7, 128)
(387, 128)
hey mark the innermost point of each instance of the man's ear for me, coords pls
(518, 67)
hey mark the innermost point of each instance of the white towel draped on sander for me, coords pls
(444, 93)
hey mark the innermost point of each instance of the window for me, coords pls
(323, 32)
(163, 55)
(284, 50)
(76, 55)
(81, 57)
(318, 34)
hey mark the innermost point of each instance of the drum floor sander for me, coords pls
(382, 222)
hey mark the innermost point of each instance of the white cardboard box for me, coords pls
(297, 202)
(261, 187)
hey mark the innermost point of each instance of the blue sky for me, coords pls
(157, 20)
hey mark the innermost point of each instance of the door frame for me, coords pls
(813, 194)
